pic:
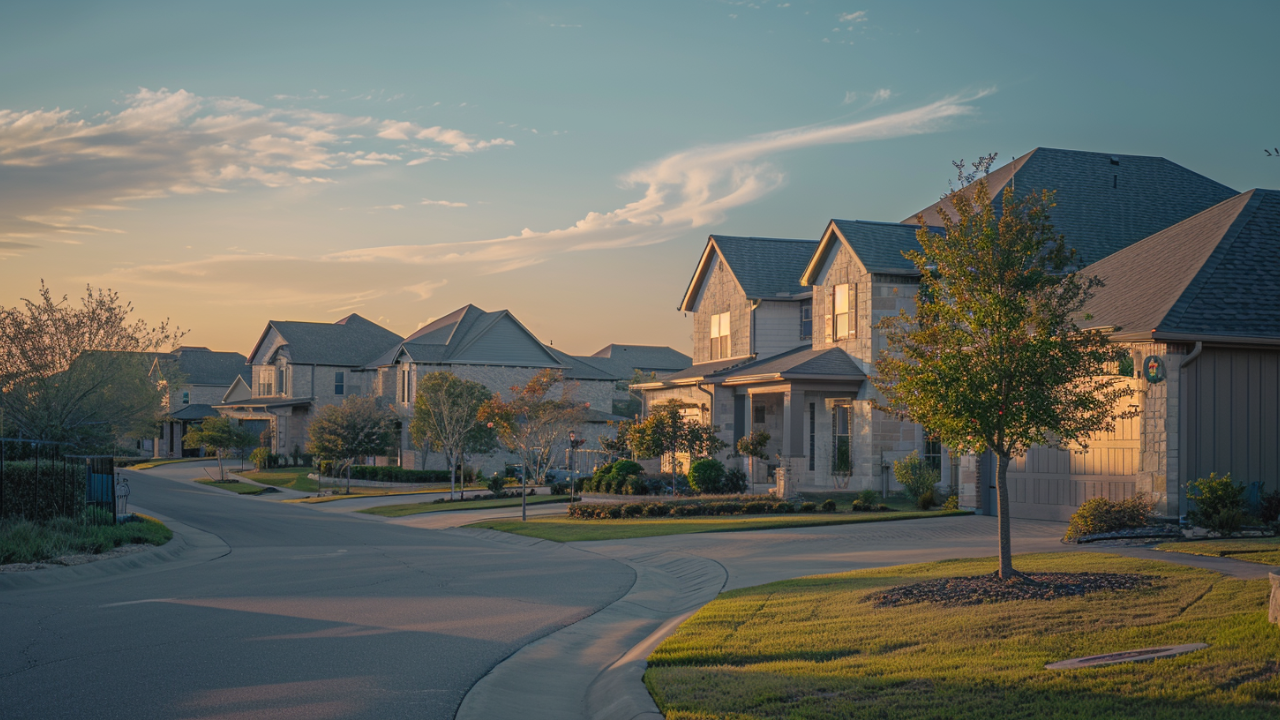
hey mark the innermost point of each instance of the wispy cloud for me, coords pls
(164, 143)
(426, 289)
(859, 16)
(681, 192)
(445, 203)
(849, 97)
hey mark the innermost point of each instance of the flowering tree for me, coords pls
(993, 358)
(534, 423)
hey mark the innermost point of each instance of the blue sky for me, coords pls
(225, 164)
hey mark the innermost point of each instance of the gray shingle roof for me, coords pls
(880, 245)
(703, 370)
(1104, 202)
(581, 368)
(201, 366)
(470, 335)
(799, 363)
(655, 358)
(352, 341)
(766, 267)
(1214, 274)
(193, 412)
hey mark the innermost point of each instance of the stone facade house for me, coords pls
(809, 389)
(202, 379)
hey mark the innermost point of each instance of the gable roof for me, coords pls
(351, 341)
(1104, 202)
(764, 268)
(471, 336)
(201, 366)
(577, 368)
(877, 245)
(1214, 275)
(798, 364)
(623, 360)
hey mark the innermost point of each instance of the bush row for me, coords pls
(703, 508)
(391, 473)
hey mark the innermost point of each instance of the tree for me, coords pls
(753, 447)
(619, 445)
(446, 416)
(666, 432)
(359, 427)
(79, 374)
(533, 423)
(993, 358)
(219, 435)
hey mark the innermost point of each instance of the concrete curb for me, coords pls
(189, 546)
(594, 668)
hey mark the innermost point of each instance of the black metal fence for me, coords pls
(39, 481)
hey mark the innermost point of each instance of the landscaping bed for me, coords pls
(480, 504)
(991, 588)
(23, 541)
(816, 648)
(572, 530)
(238, 488)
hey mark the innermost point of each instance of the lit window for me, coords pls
(339, 384)
(720, 347)
(842, 304)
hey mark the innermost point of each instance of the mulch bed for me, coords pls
(980, 589)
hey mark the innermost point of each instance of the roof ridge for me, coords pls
(1221, 247)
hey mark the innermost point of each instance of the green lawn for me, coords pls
(1265, 551)
(569, 530)
(814, 649)
(238, 488)
(293, 478)
(427, 507)
(22, 541)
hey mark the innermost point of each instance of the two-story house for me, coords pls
(813, 398)
(196, 379)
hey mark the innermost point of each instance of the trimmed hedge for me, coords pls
(391, 473)
(1100, 515)
(751, 505)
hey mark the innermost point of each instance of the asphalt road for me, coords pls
(304, 615)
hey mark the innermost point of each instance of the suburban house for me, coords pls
(196, 379)
(625, 362)
(812, 396)
(298, 367)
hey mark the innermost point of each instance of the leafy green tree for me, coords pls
(752, 446)
(993, 358)
(359, 427)
(219, 435)
(79, 373)
(446, 417)
(534, 423)
(665, 432)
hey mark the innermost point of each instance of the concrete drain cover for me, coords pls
(1151, 653)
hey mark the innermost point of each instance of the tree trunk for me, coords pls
(222, 475)
(524, 492)
(1002, 510)
(453, 472)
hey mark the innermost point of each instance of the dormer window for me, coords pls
(339, 382)
(720, 347)
(843, 301)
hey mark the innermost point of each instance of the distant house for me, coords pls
(624, 363)
(786, 339)
(297, 368)
(200, 378)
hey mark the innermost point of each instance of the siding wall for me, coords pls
(1232, 425)
(777, 327)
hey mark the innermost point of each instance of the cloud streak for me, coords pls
(684, 191)
(164, 143)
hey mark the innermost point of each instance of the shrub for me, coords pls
(633, 510)
(734, 482)
(707, 476)
(1100, 515)
(755, 507)
(783, 507)
(625, 468)
(869, 497)
(496, 485)
(1270, 511)
(559, 487)
(1219, 503)
(926, 500)
(952, 503)
(916, 477)
(656, 510)
(259, 457)
(808, 507)
(828, 505)
(635, 486)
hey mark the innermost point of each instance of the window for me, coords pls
(720, 347)
(280, 381)
(844, 302)
(266, 384)
(757, 415)
(806, 319)
(813, 432)
(933, 452)
(339, 382)
(186, 398)
(841, 439)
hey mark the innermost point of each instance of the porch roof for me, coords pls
(800, 364)
(192, 412)
(696, 373)
(264, 403)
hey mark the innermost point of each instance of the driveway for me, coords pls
(283, 612)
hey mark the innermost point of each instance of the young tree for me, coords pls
(359, 427)
(993, 359)
(666, 432)
(78, 374)
(752, 446)
(533, 423)
(219, 435)
(446, 416)
(618, 446)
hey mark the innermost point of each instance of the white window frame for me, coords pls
(843, 310)
(721, 332)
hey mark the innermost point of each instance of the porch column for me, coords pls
(793, 407)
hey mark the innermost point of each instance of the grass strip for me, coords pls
(814, 648)
(238, 488)
(567, 530)
(394, 511)
(158, 463)
(294, 478)
(23, 541)
(1264, 551)
(357, 493)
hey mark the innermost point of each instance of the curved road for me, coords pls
(288, 613)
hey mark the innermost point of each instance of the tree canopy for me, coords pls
(359, 427)
(993, 358)
(446, 416)
(665, 432)
(221, 436)
(79, 373)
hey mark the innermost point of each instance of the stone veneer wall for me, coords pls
(720, 293)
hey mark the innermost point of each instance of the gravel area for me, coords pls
(980, 589)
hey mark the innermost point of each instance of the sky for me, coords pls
(226, 164)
